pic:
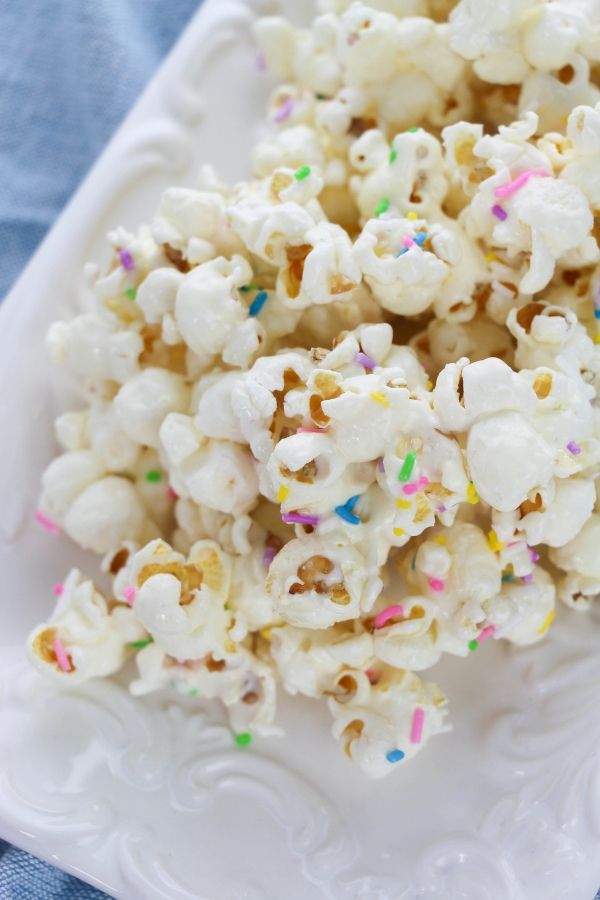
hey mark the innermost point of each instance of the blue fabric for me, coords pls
(69, 71)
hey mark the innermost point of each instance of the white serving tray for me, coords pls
(151, 799)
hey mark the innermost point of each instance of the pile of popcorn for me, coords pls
(340, 419)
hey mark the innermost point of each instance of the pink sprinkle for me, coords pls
(171, 494)
(268, 556)
(436, 584)
(573, 448)
(408, 241)
(416, 729)
(499, 212)
(312, 430)
(284, 111)
(441, 508)
(46, 523)
(129, 594)
(261, 62)
(486, 633)
(370, 675)
(58, 589)
(179, 661)
(295, 518)
(415, 486)
(126, 260)
(389, 613)
(527, 579)
(506, 190)
(61, 656)
(366, 361)
(534, 556)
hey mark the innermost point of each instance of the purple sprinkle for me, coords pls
(527, 579)
(126, 260)
(284, 111)
(366, 361)
(441, 508)
(268, 556)
(499, 212)
(261, 62)
(573, 448)
(533, 555)
(380, 464)
(295, 518)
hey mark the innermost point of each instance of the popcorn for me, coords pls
(95, 348)
(578, 558)
(143, 402)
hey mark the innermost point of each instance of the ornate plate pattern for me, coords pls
(151, 799)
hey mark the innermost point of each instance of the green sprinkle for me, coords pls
(413, 563)
(407, 466)
(246, 288)
(413, 128)
(139, 645)
(243, 739)
(302, 173)
(131, 293)
(393, 155)
(508, 577)
(192, 692)
(382, 206)
(153, 476)
(473, 645)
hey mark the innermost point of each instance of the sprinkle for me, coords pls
(440, 539)
(258, 303)
(366, 361)
(407, 466)
(268, 556)
(131, 293)
(266, 633)
(506, 190)
(416, 728)
(441, 508)
(129, 594)
(261, 62)
(486, 633)
(394, 756)
(302, 173)
(436, 584)
(572, 447)
(413, 129)
(597, 313)
(64, 663)
(382, 206)
(491, 257)
(393, 155)
(472, 495)
(380, 464)
(171, 494)
(243, 739)
(389, 613)
(380, 398)
(351, 503)
(508, 577)
(153, 476)
(58, 589)
(344, 513)
(403, 504)
(547, 622)
(139, 645)
(126, 260)
(499, 212)
(535, 557)
(284, 111)
(46, 523)
(411, 216)
(473, 645)
(527, 578)
(408, 241)
(597, 338)
(494, 543)
(192, 692)
(246, 288)
(398, 532)
(413, 564)
(415, 485)
(296, 518)
(429, 385)
(282, 493)
(371, 676)
(420, 238)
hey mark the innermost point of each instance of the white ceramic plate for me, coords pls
(151, 799)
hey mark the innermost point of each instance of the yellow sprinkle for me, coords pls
(266, 633)
(412, 215)
(491, 257)
(398, 532)
(429, 385)
(548, 622)
(403, 504)
(494, 544)
(440, 538)
(597, 338)
(472, 495)
(282, 493)
(380, 398)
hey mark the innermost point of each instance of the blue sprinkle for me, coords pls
(506, 578)
(344, 513)
(402, 252)
(258, 303)
(420, 238)
(351, 503)
(597, 313)
(394, 756)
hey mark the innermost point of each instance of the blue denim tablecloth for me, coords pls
(69, 71)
